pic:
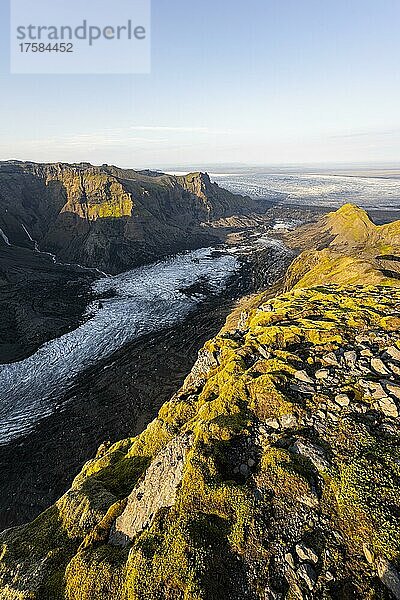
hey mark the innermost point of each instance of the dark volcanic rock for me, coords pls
(39, 300)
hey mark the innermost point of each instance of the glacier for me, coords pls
(143, 300)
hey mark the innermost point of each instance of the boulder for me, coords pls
(303, 377)
(157, 490)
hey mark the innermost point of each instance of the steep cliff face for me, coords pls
(273, 473)
(39, 300)
(111, 218)
(213, 201)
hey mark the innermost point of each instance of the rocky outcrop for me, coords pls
(110, 218)
(157, 491)
(273, 473)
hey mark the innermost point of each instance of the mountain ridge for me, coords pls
(351, 226)
(110, 218)
(344, 247)
(100, 217)
(272, 473)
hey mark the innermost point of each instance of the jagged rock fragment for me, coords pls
(393, 352)
(330, 359)
(350, 358)
(366, 353)
(388, 407)
(272, 423)
(308, 575)
(290, 560)
(313, 452)
(377, 391)
(369, 555)
(288, 421)
(303, 377)
(393, 389)
(306, 553)
(322, 374)
(379, 367)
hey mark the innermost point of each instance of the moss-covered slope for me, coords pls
(273, 473)
(345, 247)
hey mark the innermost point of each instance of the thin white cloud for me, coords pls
(171, 129)
(114, 138)
(373, 134)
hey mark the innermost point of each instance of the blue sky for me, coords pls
(259, 82)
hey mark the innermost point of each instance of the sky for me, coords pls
(261, 82)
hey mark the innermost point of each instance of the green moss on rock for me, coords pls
(288, 457)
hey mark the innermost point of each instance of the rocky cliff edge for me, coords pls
(274, 473)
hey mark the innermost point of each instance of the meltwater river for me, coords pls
(147, 298)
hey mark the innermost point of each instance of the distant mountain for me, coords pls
(272, 473)
(110, 218)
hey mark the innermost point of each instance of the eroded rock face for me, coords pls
(39, 300)
(109, 218)
(197, 377)
(158, 490)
